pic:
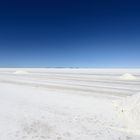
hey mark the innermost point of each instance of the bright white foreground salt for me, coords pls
(67, 104)
(130, 112)
(31, 113)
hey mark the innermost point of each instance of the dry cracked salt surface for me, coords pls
(69, 104)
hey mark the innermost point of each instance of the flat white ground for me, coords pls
(64, 104)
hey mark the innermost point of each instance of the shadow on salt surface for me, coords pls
(37, 130)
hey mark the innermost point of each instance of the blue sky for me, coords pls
(70, 33)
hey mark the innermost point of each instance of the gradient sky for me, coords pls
(70, 33)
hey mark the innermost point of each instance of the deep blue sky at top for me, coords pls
(70, 33)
